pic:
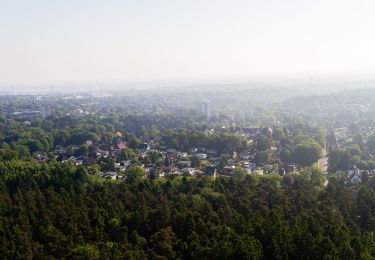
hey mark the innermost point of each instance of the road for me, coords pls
(323, 162)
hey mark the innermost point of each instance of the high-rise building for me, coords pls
(45, 110)
(205, 108)
(248, 115)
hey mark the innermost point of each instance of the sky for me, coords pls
(44, 41)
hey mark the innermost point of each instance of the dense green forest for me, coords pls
(56, 211)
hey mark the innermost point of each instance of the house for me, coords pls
(76, 160)
(149, 166)
(247, 167)
(126, 164)
(268, 167)
(198, 150)
(188, 171)
(158, 174)
(354, 175)
(102, 153)
(198, 172)
(174, 171)
(212, 152)
(252, 156)
(194, 150)
(120, 166)
(42, 158)
(248, 170)
(89, 161)
(183, 164)
(253, 165)
(282, 171)
(120, 146)
(291, 168)
(210, 171)
(215, 161)
(143, 147)
(201, 156)
(355, 178)
(143, 155)
(171, 151)
(258, 171)
(78, 112)
(229, 169)
(181, 155)
(110, 175)
(245, 156)
(62, 158)
(267, 131)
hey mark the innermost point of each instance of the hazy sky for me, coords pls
(76, 40)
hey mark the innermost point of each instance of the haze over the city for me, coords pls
(81, 41)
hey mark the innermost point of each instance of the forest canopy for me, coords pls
(61, 211)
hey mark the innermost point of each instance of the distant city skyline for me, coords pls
(43, 42)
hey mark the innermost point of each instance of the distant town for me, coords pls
(111, 134)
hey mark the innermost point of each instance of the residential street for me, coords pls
(323, 162)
